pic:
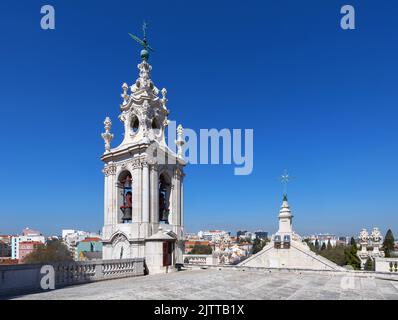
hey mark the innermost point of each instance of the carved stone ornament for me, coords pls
(119, 238)
(107, 135)
(376, 235)
(109, 169)
(364, 235)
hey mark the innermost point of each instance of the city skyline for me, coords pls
(326, 112)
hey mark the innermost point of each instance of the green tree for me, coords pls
(53, 251)
(369, 266)
(323, 246)
(329, 246)
(258, 245)
(353, 242)
(351, 258)
(310, 245)
(244, 240)
(388, 243)
(316, 245)
(201, 249)
(340, 255)
(335, 255)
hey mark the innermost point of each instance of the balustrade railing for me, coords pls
(17, 279)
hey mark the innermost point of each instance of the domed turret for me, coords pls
(285, 209)
(285, 217)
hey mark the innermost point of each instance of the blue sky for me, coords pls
(322, 103)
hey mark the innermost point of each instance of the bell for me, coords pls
(127, 214)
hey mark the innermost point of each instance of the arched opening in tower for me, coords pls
(125, 201)
(135, 124)
(164, 197)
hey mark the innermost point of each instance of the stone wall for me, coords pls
(26, 278)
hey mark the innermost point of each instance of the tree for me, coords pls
(53, 251)
(341, 255)
(351, 258)
(310, 245)
(353, 242)
(335, 254)
(316, 245)
(244, 240)
(329, 246)
(388, 243)
(323, 246)
(201, 249)
(369, 266)
(258, 245)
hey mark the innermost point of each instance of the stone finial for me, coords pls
(364, 235)
(164, 97)
(180, 141)
(124, 95)
(376, 235)
(145, 73)
(107, 135)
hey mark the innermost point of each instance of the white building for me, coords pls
(212, 235)
(324, 238)
(248, 236)
(72, 237)
(143, 198)
(287, 250)
(27, 236)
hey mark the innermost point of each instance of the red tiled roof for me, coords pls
(200, 242)
(30, 242)
(8, 261)
(94, 239)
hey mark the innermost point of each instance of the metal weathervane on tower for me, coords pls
(285, 179)
(143, 42)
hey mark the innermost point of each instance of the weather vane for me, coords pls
(143, 42)
(285, 179)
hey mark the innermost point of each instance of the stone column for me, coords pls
(109, 194)
(182, 200)
(136, 191)
(154, 194)
(174, 196)
(107, 200)
(178, 198)
(145, 192)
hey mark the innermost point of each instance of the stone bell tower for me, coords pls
(143, 194)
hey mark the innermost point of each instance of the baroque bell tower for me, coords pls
(143, 192)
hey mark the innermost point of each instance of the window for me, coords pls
(155, 124)
(156, 127)
(135, 124)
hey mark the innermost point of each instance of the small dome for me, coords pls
(144, 54)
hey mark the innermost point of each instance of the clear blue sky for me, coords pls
(322, 103)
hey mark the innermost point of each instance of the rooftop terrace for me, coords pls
(231, 284)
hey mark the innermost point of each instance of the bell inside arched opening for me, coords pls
(164, 198)
(125, 197)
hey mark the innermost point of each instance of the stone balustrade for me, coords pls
(198, 259)
(386, 265)
(352, 273)
(24, 278)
